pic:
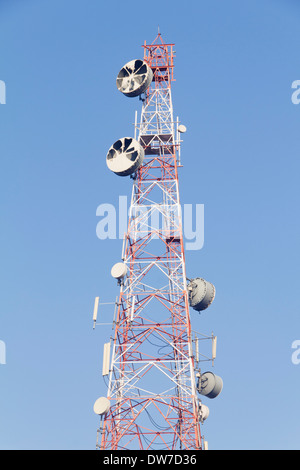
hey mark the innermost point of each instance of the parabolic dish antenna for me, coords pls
(119, 270)
(181, 128)
(203, 412)
(125, 156)
(210, 385)
(101, 406)
(134, 78)
(201, 293)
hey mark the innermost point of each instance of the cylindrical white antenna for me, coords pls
(106, 358)
(115, 311)
(214, 348)
(95, 314)
(124, 246)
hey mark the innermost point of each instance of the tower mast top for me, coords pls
(160, 57)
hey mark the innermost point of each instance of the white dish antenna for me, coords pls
(125, 156)
(181, 128)
(101, 406)
(203, 412)
(201, 293)
(210, 385)
(134, 78)
(119, 270)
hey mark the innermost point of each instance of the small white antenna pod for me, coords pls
(203, 412)
(181, 128)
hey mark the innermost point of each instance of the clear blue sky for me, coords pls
(235, 65)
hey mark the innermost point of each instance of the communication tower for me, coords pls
(153, 360)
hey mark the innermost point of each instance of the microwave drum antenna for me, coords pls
(134, 78)
(125, 156)
(201, 294)
(210, 385)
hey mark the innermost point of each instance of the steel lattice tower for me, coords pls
(152, 387)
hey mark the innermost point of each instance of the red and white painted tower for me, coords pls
(152, 399)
